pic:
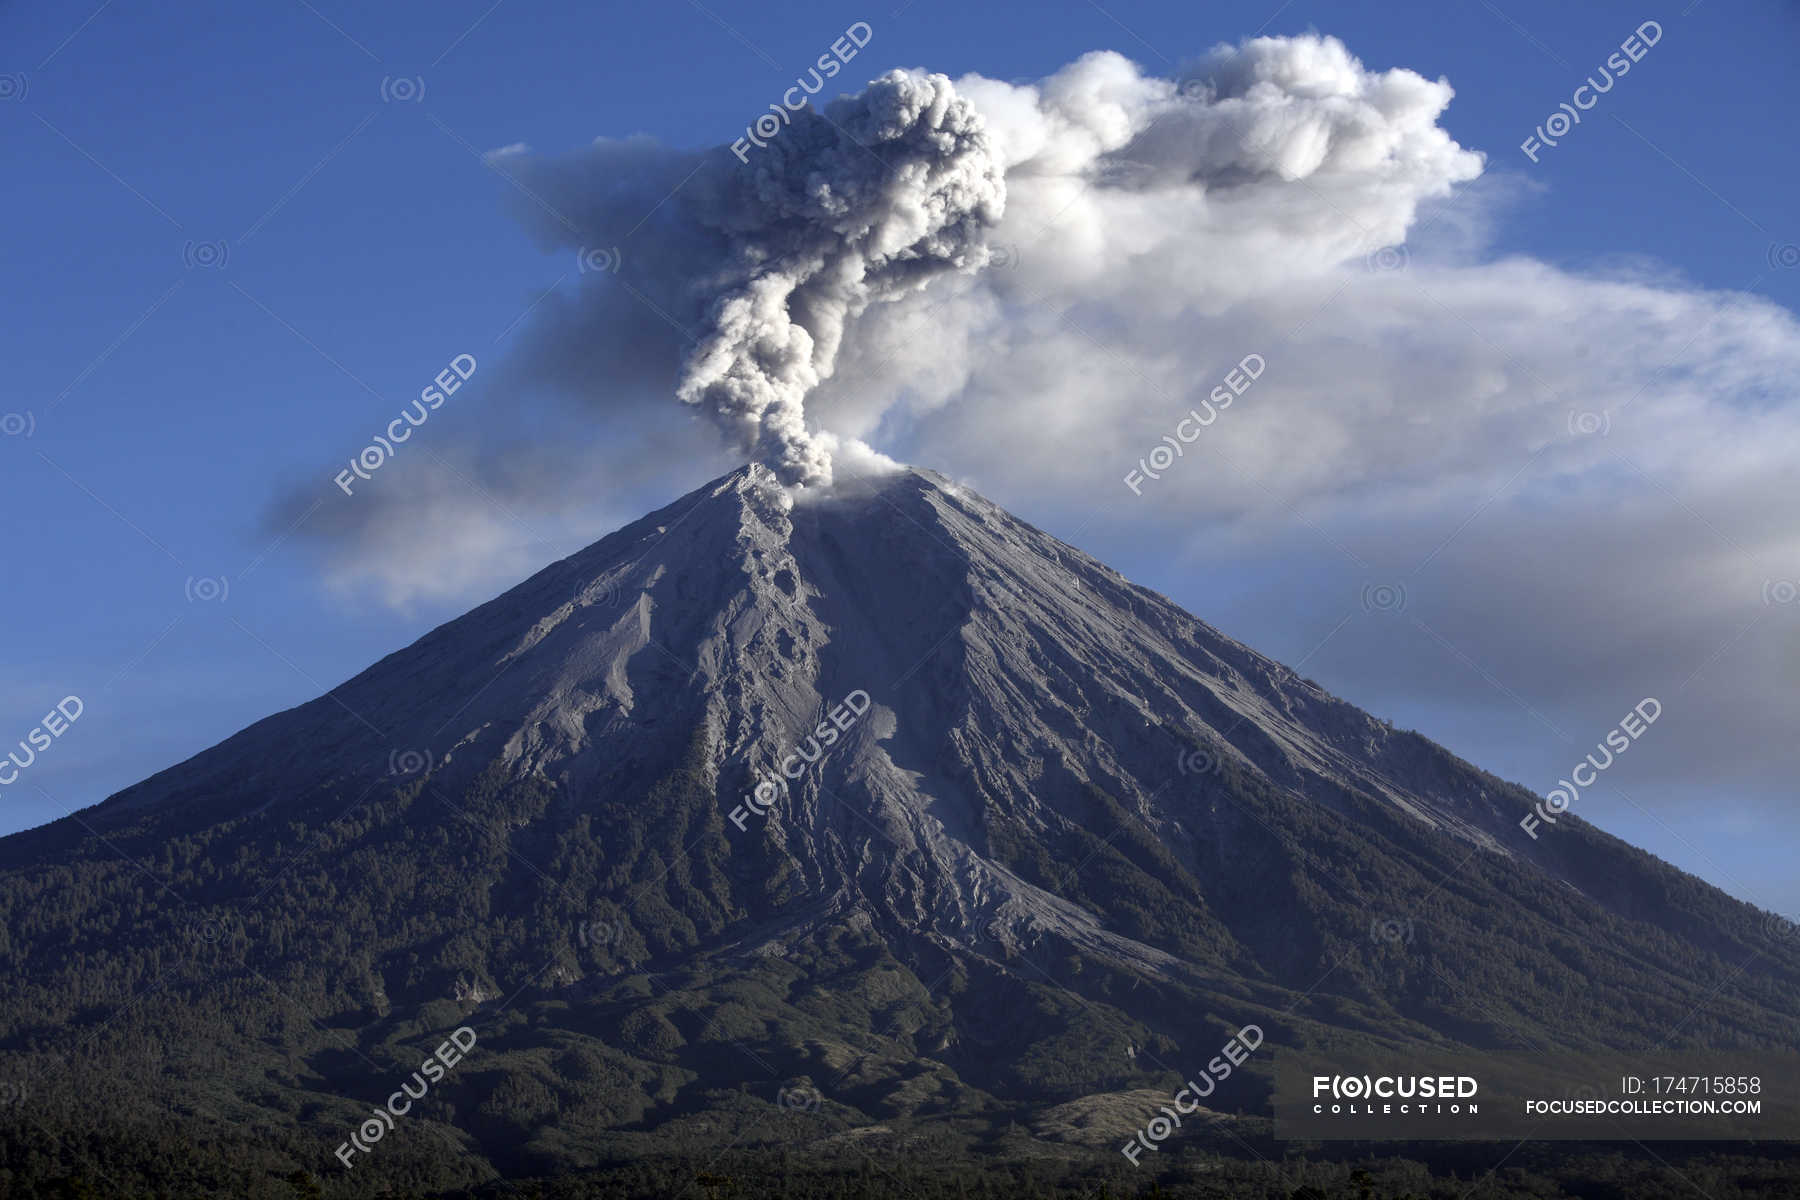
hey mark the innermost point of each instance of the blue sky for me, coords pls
(241, 247)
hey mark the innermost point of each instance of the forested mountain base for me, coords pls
(106, 1159)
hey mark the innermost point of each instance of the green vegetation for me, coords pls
(209, 1000)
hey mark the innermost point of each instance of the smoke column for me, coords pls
(866, 201)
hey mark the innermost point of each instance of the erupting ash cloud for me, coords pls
(1102, 246)
(864, 202)
(1096, 216)
(1276, 159)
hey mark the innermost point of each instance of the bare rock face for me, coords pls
(1010, 681)
(875, 786)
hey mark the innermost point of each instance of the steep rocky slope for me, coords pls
(1026, 834)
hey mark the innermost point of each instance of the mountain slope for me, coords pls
(1071, 839)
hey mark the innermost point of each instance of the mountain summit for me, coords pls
(877, 796)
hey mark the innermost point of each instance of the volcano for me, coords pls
(831, 817)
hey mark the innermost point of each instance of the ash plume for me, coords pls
(762, 264)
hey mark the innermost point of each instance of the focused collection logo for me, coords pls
(825, 735)
(1186, 1101)
(1394, 1095)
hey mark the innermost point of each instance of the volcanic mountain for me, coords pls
(809, 818)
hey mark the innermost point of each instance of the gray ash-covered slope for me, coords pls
(1076, 835)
